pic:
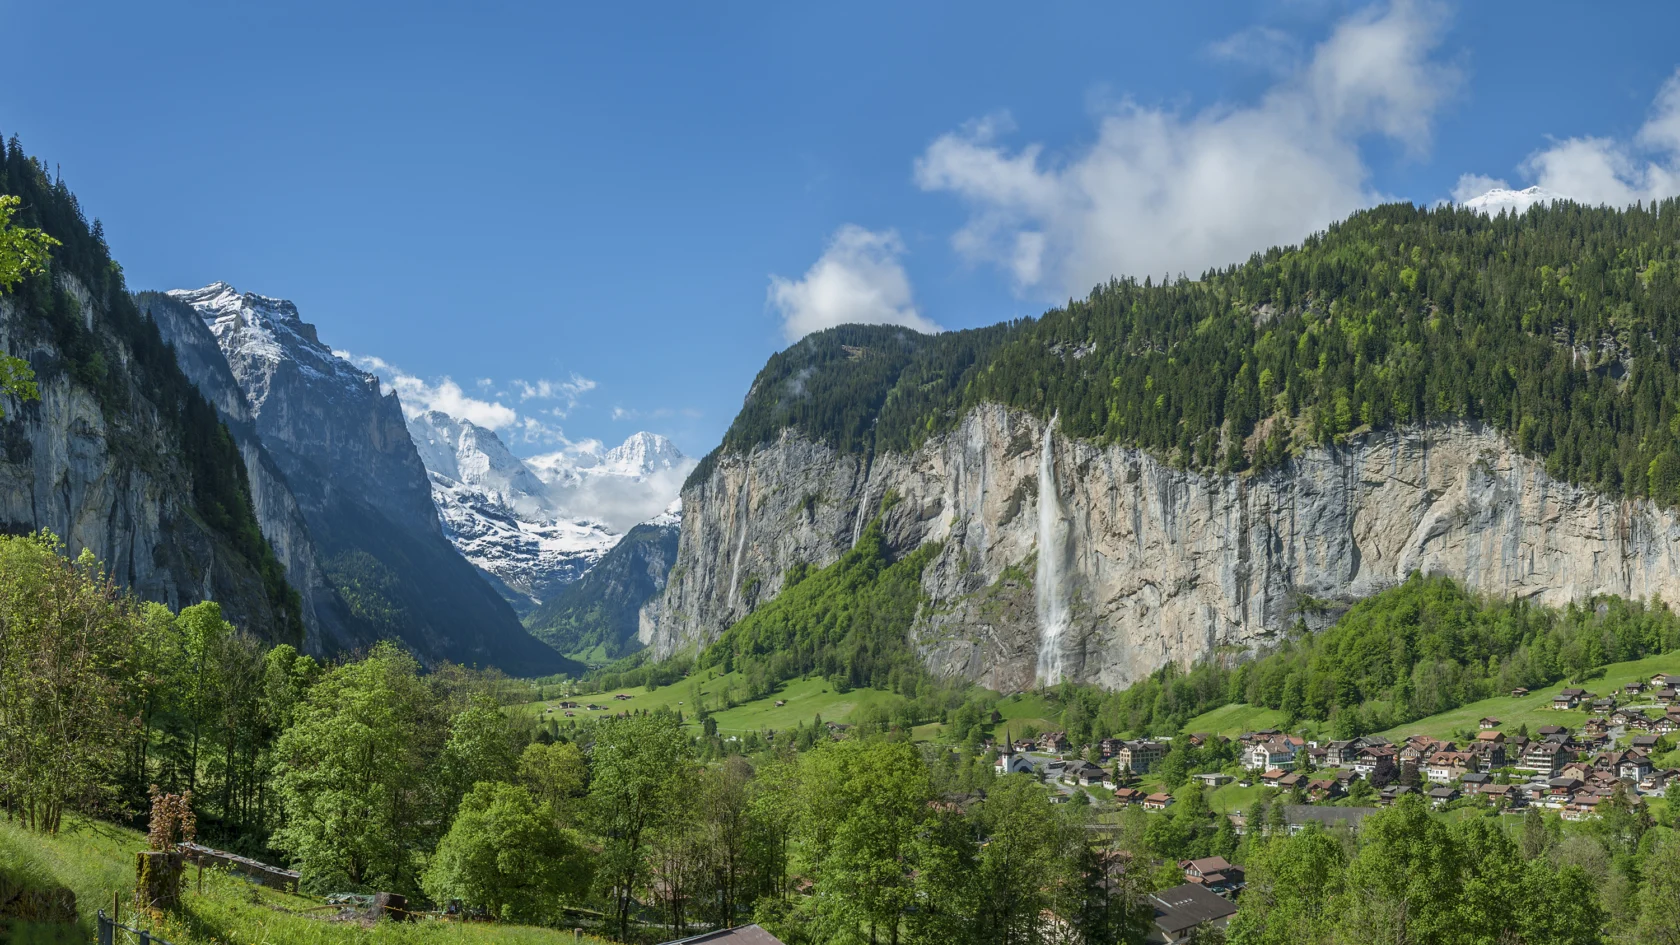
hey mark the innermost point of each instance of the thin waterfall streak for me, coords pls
(740, 550)
(1050, 584)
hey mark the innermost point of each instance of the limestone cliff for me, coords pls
(1163, 565)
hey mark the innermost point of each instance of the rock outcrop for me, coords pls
(1163, 565)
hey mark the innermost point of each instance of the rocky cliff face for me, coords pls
(1161, 565)
(343, 451)
(104, 470)
(327, 619)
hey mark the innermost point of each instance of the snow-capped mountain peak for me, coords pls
(537, 525)
(1517, 202)
(644, 454)
(259, 333)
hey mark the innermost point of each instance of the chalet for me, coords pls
(1084, 773)
(593, 707)
(1325, 789)
(1279, 751)
(1579, 770)
(1506, 795)
(1664, 680)
(1624, 716)
(1378, 764)
(1213, 872)
(1667, 725)
(1474, 782)
(1292, 780)
(1657, 781)
(1010, 762)
(1518, 692)
(1446, 767)
(1343, 753)
(1645, 743)
(1445, 794)
(1490, 748)
(1569, 698)
(1272, 777)
(1561, 791)
(1604, 705)
(1393, 792)
(1627, 765)
(1420, 748)
(1554, 731)
(1109, 747)
(1126, 796)
(623, 696)
(1543, 757)
(1185, 913)
(1158, 801)
(1665, 696)
(1488, 723)
(1139, 756)
(567, 705)
(1053, 741)
(1633, 688)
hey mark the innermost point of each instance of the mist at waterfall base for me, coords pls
(1050, 584)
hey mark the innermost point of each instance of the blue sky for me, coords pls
(613, 213)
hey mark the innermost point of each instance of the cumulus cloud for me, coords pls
(1598, 170)
(858, 279)
(1162, 192)
(569, 391)
(445, 396)
(419, 395)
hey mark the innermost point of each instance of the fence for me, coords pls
(113, 933)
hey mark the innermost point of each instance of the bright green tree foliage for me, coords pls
(356, 775)
(505, 853)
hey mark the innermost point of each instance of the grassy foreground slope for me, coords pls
(96, 861)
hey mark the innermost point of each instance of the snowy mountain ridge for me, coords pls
(536, 525)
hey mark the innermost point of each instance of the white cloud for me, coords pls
(1475, 185)
(1261, 46)
(570, 391)
(1159, 192)
(858, 278)
(1606, 171)
(444, 395)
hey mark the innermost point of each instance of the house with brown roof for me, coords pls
(1446, 767)
(1518, 692)
(1158, 801)
(1544, 757)
(1665, 696)
(1325, 789)
(1126, 796)
(1488, 722)
(1213, 872)
(1569, 698)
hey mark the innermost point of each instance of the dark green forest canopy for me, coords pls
(1560, 328)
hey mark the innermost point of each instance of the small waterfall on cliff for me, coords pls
(1050, 584)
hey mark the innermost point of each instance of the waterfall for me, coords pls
(857, 523)
(1050, 584)
(741, 548)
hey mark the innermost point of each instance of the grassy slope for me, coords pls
(1235, 719)
(96, 860)
(1535, 709)
(805, 698)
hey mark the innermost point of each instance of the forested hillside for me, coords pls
(1560, 328)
